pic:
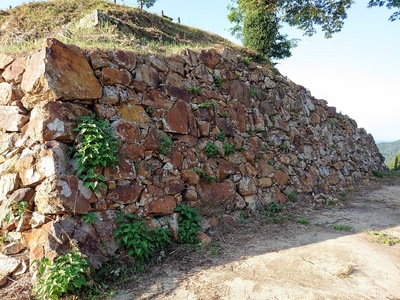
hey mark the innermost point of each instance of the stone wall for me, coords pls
(284, 141)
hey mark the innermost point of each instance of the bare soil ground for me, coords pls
(261, 260)
(253, 258)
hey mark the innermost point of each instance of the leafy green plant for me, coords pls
(138, 238)
(90, 218)
(241, 148)
(95, 147)
(340, 227)
(377, 174)
(225, 115)
(292, 196)
(188, 224)
(228, 149)
(149, 110)
(165, 144)
(206, 104)
(204, 175)
(220, 136)
(218, 81)
(270, 162)
(304, 221)
(274, 208)
(211, 150)
(68, 273)
(194, 90)
(264, 147)
(253, 93)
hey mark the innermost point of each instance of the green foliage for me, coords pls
(377, 174)
(165, 144)
(228, 149)
(389, 4)
(274, 208)
(204, 175)
(206, 104)
(384, 238)
(138, 238)
(220, 136)
(68, 273)
(340, 227)
(194, 90)
(90, 218)
(146, 3)
(292, 196)
(304, 221)
(218, 81)
(188, 224)
(241, 148)
(95, 147)
(253, 93)
(149, 110)
(211, 150)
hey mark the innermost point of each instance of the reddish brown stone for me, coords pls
(5, 60)
(151, 142)
(65, 194)
(175, 92)
(42, 161)
(126, 132)
(111, 76)
(125, 194)
(214, 195)
(163, 206)
(147, 75)
(58, 72)
(55, 121)
(177, 157)
(133, 113)
(98, 59)
(12, 118)
(209, 57)
(226, 169)
(278, 195)
(125, 170)
(132, 152)
(124, 59)
(190, 177)
(174, 186)
(176, 65)
(189, 57)
(281, 177)
(180, 119)
(247, 186)
(238, 90)
(14, 72)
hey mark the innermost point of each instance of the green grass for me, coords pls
(340, 227)
(383, 238)
(304, 221)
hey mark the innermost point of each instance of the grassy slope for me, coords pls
(23, 28)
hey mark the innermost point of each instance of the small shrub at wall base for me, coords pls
(138, 238)
(188, 224)
(68, 273)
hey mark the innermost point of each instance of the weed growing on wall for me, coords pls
(204, 175)
(138, 238)
(188, 224)
(68, 273)
(95, 147)
(211, 150)
(165, 144)
(90, 218)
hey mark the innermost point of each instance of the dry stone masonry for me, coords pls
(272, 139)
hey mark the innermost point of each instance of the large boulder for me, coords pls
(58, 72)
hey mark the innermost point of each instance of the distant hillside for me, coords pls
(389, 150)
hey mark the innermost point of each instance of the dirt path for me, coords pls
(259, 260)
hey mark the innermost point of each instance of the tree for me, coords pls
(389, 4)
(146, 3)
(258, 22)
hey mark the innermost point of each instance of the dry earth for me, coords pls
(259, 260)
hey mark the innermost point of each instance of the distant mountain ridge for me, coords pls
(389, 150)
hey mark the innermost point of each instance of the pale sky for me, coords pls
(357, 71)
